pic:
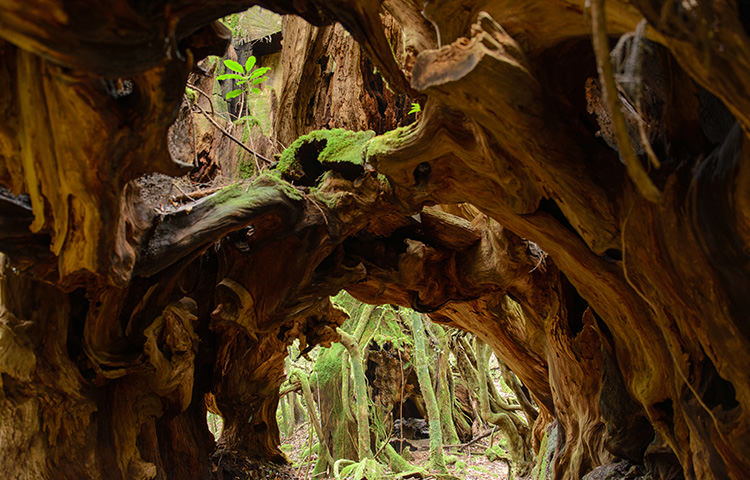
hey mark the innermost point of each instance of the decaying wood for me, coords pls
(119, 323)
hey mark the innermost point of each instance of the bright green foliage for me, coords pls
(415, 108)
(247, 77)
(390, 330)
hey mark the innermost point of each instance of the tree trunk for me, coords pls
(444, 386)
(60, 425)
(421, 365)
(360, 394)
(519, 441)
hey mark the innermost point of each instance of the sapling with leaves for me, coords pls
(247, 78)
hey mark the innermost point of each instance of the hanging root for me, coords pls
(606, 77)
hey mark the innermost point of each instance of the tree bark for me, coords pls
(436, 460)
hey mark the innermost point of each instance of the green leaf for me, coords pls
(250, 63)
(255, 90)
(227, 76)
(415, 108)
(234, 93)
(259, 80)
(232, 65)
(258, 72)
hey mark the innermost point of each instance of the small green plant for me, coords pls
(415, 108)
(248, 77)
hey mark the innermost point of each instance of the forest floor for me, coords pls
(471, 464)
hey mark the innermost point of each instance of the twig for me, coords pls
(197, 194)
(401, 402)
(644, 139)
(606, 76)
(195, 142)
(287, 390)
(387, 441)
(210, 101)
(462, 446)
(315, 203)
(186, 195)
(231, 137)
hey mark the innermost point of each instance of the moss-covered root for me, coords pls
(307, 392)
(437, 460)
(521, 393)
(360, 392)
(400, 466)
(288, 421)
(520, 464)
(445, 387)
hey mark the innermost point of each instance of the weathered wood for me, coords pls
(641, 306)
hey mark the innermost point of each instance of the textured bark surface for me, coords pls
(626, 318)
(330, 83)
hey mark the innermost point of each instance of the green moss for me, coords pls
(345, 146)
(226, 195)
(327, 375)
(247, 169)
(337, 145)
(191, 95)
(541, 465)
(495, 453)
(253, 194)
(389, 141)
(391, 331)
(328, 365)
(479, 468)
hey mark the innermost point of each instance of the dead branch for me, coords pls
(230, 136)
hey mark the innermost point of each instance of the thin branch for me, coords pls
(387, 441)
(195, 142)
(401, 398)
(288, 388)
(606, 76)
(198, 194)
(210, 101)
(231, 137)
(462, 446)
(185, 194)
